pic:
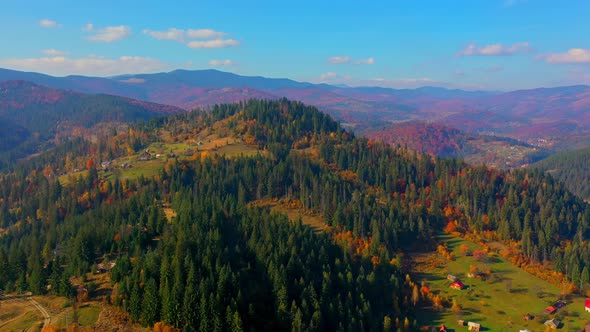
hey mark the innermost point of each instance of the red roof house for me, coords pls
(443, 328)
(458, 285)
(587, 305)
(550, 310)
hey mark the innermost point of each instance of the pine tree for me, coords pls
(150, 304)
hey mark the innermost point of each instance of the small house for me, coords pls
(443, 328)
(587, 328)
(528, 316)
(550, 310)
(587, 305)
(552, 323)
(525, 330)
(458, 285)
(471, 326)
(461, 322)
(451, 277)
(105, 165)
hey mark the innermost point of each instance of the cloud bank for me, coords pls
(495, 50)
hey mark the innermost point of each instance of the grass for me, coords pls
(497, 303)
(52, 303)
(315, 221)
(27, 320)
(67, 179)
(88, 315)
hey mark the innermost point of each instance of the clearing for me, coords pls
(18, 314)
(498, 299)
(293, 209)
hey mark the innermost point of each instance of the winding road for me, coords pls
(46, 317)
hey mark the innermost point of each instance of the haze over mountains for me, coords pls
(545, 116)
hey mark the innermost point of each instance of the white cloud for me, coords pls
(495, 49)
(89, 65)
(574, 55)
(328, 76)
(215, 43)
(339, 59)
(194, 38)
(367, 61)
(89, 27)
(204, 34)
(170, 34)
(346, 59)
(226, 62)
(54, 52)
(45, 23)
(109, 34)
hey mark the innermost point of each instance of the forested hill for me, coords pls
(197, 244)
(39, 113)
(572, 168)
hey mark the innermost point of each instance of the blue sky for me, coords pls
(472, 44)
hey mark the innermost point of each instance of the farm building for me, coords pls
(552, 323)
(550, 310)
(471, 326)
(587, 305)
(458, 285)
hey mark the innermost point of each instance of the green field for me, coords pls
(497, 303)
(88, 315)
(30, 321)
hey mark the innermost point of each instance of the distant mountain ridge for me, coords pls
(33, 115)
(559, 116)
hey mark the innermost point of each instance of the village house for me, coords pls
(471, 326)
(550, 310)
(587, 305)
(552, 323)
(451, 277)
(105, 165)
(458, 285)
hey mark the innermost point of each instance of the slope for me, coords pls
(249, 267)
(38, 114)
(571, 168)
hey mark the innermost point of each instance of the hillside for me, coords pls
(237, 187)
(443, 141)
(572, 168)
(40, 114)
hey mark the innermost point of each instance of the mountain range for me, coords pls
(555, 117)
(32, 116)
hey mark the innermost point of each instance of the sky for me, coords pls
(472, 44)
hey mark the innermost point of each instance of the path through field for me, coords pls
(46, 317)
